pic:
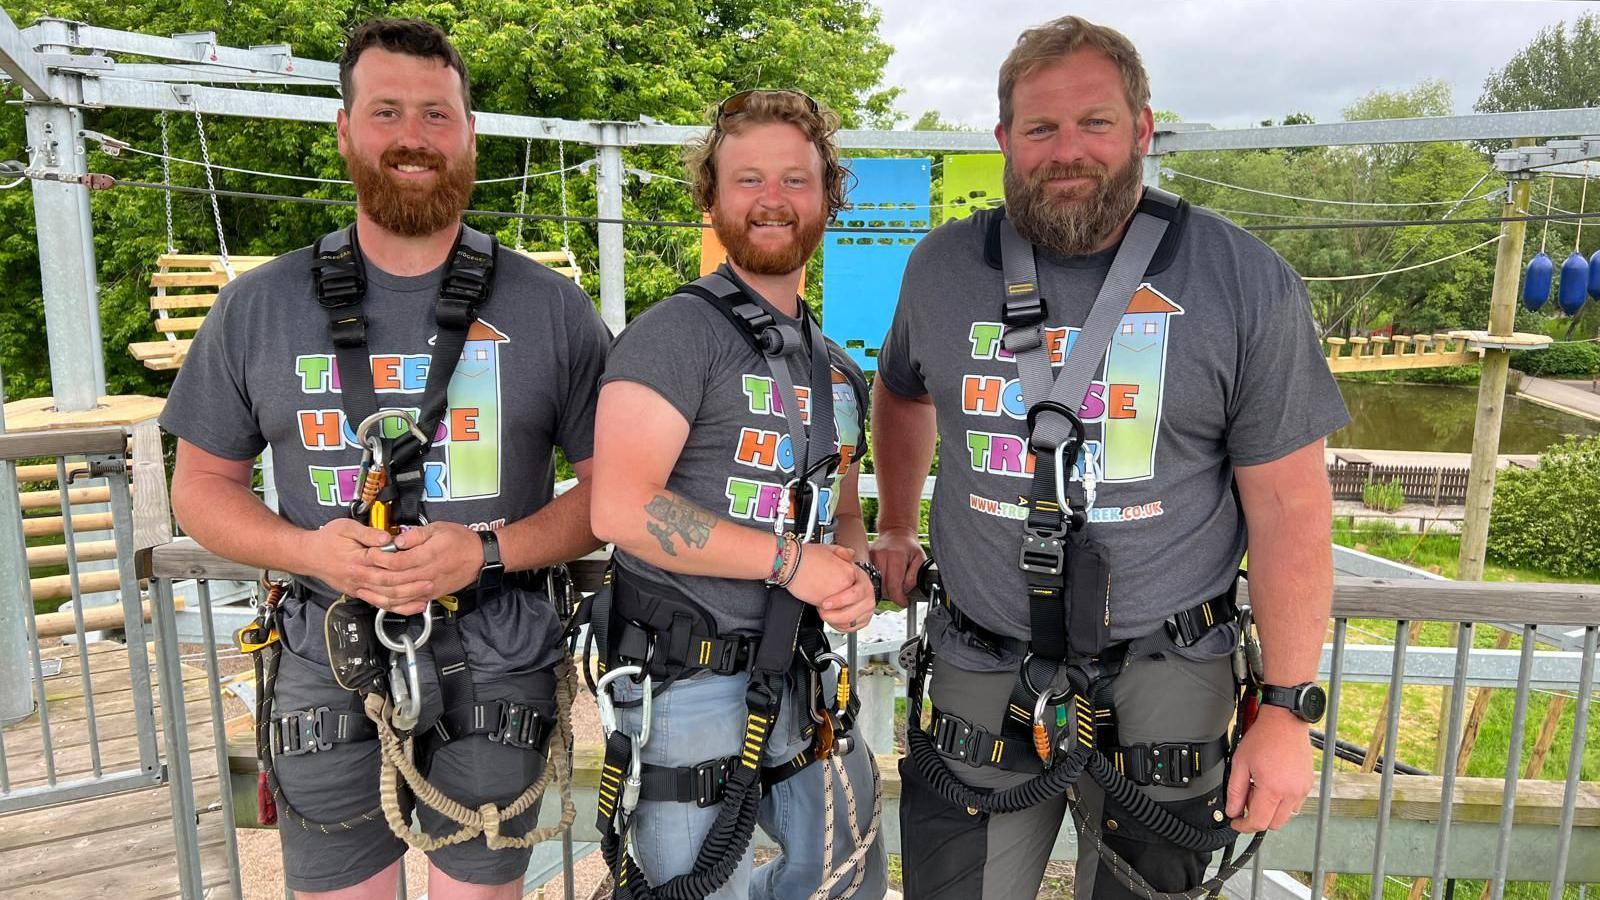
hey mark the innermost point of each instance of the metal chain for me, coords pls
(216, 211)
(522, 198)
(166, 178)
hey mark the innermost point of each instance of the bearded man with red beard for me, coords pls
(1121, 385)
(404, 312)
(727, 450)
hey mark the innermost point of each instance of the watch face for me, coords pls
(1313, 702)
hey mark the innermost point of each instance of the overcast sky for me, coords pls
(1230, 63)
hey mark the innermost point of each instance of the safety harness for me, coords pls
(1059, 721)
(655, 635)
(387, 702)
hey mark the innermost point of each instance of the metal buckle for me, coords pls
(516, 726)
(1023, 312)
(711, 781)
(1182, 631)
(954, 737)
(1173, 763)
(301, 732)
(1043, 552)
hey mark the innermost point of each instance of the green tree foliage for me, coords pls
(670, 60)
(1548, 518)
(1446, 296)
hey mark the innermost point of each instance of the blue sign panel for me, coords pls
(861, 270)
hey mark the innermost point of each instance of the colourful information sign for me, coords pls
(861, 270)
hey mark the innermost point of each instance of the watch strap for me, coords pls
(493, 571)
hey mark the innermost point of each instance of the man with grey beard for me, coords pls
(498, 385)
(1118, 630)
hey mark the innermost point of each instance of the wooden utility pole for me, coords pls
(1492, 384)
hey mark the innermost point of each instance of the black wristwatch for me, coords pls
(875, 575)
(493, 571)
(1307, 701)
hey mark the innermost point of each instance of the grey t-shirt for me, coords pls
(737, 456)
(262, 371)
(1216, 364)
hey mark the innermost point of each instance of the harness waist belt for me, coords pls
(1185, 628)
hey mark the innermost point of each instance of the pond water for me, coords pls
(1439, 417)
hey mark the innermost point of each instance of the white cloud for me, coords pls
(1226, 62)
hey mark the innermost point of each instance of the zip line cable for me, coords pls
(665, 223)
(1370, 203)
(1410, 268)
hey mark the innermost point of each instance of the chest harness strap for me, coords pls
(733, 784)
(1064, 685)
(359, 637)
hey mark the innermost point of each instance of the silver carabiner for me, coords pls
(366, 425)
(633, 783)
(405, 686)
(1061, 479)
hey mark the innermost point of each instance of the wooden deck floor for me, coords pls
(120, 846)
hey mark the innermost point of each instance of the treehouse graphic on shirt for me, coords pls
(466, 462)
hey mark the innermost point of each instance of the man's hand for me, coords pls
(1271, 772)
(825, 570)
(898, 555)
(446, 555)
(851, 609)
(344, 554)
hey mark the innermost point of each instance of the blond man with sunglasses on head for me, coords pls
(728, 440)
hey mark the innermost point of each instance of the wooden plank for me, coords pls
(59, 587)
(33, 474)
(40, 526)
(166, 363)
(143, 350)
(1464, 601)
(120, 753)
(40, 414)
(179, 324)
(209, 261)
(183, 558)
(128, 842)
(189, 279)
(62, 442)
(146, 878)
(70, 822)
(33, 501)
(183, 301)
(152, 513)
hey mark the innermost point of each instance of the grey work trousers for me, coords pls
(952, 852)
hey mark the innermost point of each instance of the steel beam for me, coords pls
(199, 47)
(1480, 127)
(18, 60)
(608, 189)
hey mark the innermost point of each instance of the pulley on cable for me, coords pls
(1541, 270)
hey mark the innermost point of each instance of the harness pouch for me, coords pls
(353, 645)
(1088, 594)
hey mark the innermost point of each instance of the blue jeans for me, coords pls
(701, 718)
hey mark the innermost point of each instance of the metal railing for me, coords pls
(1381, 824)
(100, 453)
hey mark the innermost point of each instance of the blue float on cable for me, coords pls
(1594, 275)
(1536, 283)
(1574, 284)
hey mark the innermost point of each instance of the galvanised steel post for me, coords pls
(608, 189)
(16, 675)
(66, 250)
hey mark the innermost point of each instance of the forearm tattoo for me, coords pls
(681, 518)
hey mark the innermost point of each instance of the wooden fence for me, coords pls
(1432, 485)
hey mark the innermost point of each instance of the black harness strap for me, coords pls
(339, 272)
(739, 778)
